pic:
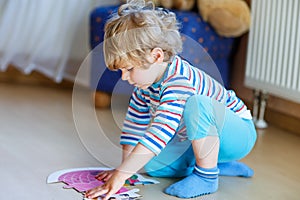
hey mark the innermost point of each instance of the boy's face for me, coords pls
(141, 77)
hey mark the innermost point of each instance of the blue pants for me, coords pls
(203, 117)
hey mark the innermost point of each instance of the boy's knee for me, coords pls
(198, 116)
(196, 106)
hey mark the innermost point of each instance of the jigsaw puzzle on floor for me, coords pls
(83, 179)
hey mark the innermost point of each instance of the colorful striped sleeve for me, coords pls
(234, 103)
(168, 114)
(136, 121)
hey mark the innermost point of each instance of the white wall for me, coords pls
(81, 47)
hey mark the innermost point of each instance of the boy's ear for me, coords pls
(157, 54)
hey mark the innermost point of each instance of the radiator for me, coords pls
(273, 54)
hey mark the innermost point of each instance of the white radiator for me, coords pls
(273, 56)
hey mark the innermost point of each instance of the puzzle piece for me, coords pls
(83, 179)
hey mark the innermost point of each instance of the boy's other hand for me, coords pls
(105, 175)
(113, 184)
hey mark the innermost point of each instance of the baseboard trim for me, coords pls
(279, 119)
(283, 121)
(12, 75)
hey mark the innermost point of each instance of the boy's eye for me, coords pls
(129, 69)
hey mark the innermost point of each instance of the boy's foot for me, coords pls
(235, 168)
(201, 182)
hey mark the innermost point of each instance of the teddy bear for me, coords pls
(177, 4)
(229, 18)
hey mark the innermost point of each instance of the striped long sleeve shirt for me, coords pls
(155, 114)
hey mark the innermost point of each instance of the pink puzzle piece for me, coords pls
(83, 180)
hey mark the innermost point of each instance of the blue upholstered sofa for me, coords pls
(219, 48)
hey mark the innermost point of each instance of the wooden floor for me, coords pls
(44, 129)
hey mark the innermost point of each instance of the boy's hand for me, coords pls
(116, 178)
(105, 175)
(112, 186)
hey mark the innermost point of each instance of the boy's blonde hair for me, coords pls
(136, 29)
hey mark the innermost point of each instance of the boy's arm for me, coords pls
(126, 150)
(136, 159)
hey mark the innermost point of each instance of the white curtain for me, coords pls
(48, 36)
